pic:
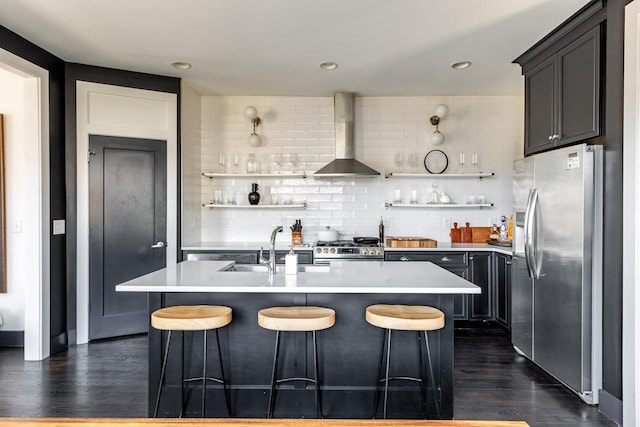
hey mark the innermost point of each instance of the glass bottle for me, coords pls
(252, 164)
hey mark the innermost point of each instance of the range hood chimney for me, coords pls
(345, 165)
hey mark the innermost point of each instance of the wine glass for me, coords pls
(399, 160)
(412, 161)
(461, 162)
(293, 159)
(221, 161)
(236, 162)
(474, 162)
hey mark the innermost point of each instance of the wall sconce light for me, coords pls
(252, 114)
(437, 137)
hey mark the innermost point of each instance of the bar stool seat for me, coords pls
(296, 319)
(405, 317)
(418, 318)
(192, 318)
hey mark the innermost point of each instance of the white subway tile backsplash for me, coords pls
(492, 127)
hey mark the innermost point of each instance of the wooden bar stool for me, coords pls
(417, 318)
(192, 318)
(296, 319)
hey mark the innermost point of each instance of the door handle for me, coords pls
(404, 258)
(528, 232)
(160, 244)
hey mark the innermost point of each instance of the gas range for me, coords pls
(346, 250)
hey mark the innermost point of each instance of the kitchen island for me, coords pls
(349, 352)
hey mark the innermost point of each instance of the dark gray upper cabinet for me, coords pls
(564, 78)
(562, 96)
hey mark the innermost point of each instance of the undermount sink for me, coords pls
(259, 268)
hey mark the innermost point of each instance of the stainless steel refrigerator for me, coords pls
(557, 265)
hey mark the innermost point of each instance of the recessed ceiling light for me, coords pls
(461, 65)
(328, 65)
(181, 65)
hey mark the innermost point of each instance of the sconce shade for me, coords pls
(255, 140)
(250, 112)
(442, 111)
(436, 138)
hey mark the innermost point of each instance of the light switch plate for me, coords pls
(58, 226)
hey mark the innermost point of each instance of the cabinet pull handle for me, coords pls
(446, 259)
(160, 244)
(551, 137)
(404, 258)
(508, 262)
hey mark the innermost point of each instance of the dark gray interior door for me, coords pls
(127, 218)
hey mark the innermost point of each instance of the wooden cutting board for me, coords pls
(411, 242)
(469, 234)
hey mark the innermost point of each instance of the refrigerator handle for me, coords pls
(529, 215)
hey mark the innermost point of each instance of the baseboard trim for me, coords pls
(58, 343)
(11, 338)
(610, 406)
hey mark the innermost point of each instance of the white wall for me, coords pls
(191, 118)
(489, 126)
(12, 104)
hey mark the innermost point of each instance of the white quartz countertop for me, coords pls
(240, 246)
(341, 277)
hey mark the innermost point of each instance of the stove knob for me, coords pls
(333, 250)
(365, 251)
(325, 250)
(378, 251)
(319, 250)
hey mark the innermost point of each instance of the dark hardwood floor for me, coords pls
(108, 379)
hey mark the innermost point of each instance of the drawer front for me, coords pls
(443, 259)
(240, 257)
(304, 257)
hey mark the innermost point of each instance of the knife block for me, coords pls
(296, 238)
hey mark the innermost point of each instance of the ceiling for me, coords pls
(274, 47)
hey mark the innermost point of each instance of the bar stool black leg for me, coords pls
(317, 378)
(222, 377)
(164, 366)
(379, 377)
(204, 371)
(386, 377)
(273, 376)
(183, 401)
(433, 378)
(423, 395)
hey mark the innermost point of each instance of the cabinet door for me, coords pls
(540, 107)
(579, 89)
(480, 267)
(460, 302)
(502, 289)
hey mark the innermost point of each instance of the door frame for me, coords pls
(36, 217)
(631, 219)
(112, 110)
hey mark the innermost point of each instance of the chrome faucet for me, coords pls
(271, 262)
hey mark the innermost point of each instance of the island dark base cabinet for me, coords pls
(349, 356)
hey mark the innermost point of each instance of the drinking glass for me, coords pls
(412, 161)
(221, 161)
(277, 161)
(397, 196)
(461, 162)
(399, 160)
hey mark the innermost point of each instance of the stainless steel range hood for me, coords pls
(345, 165)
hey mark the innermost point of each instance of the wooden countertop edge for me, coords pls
(239, 422)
